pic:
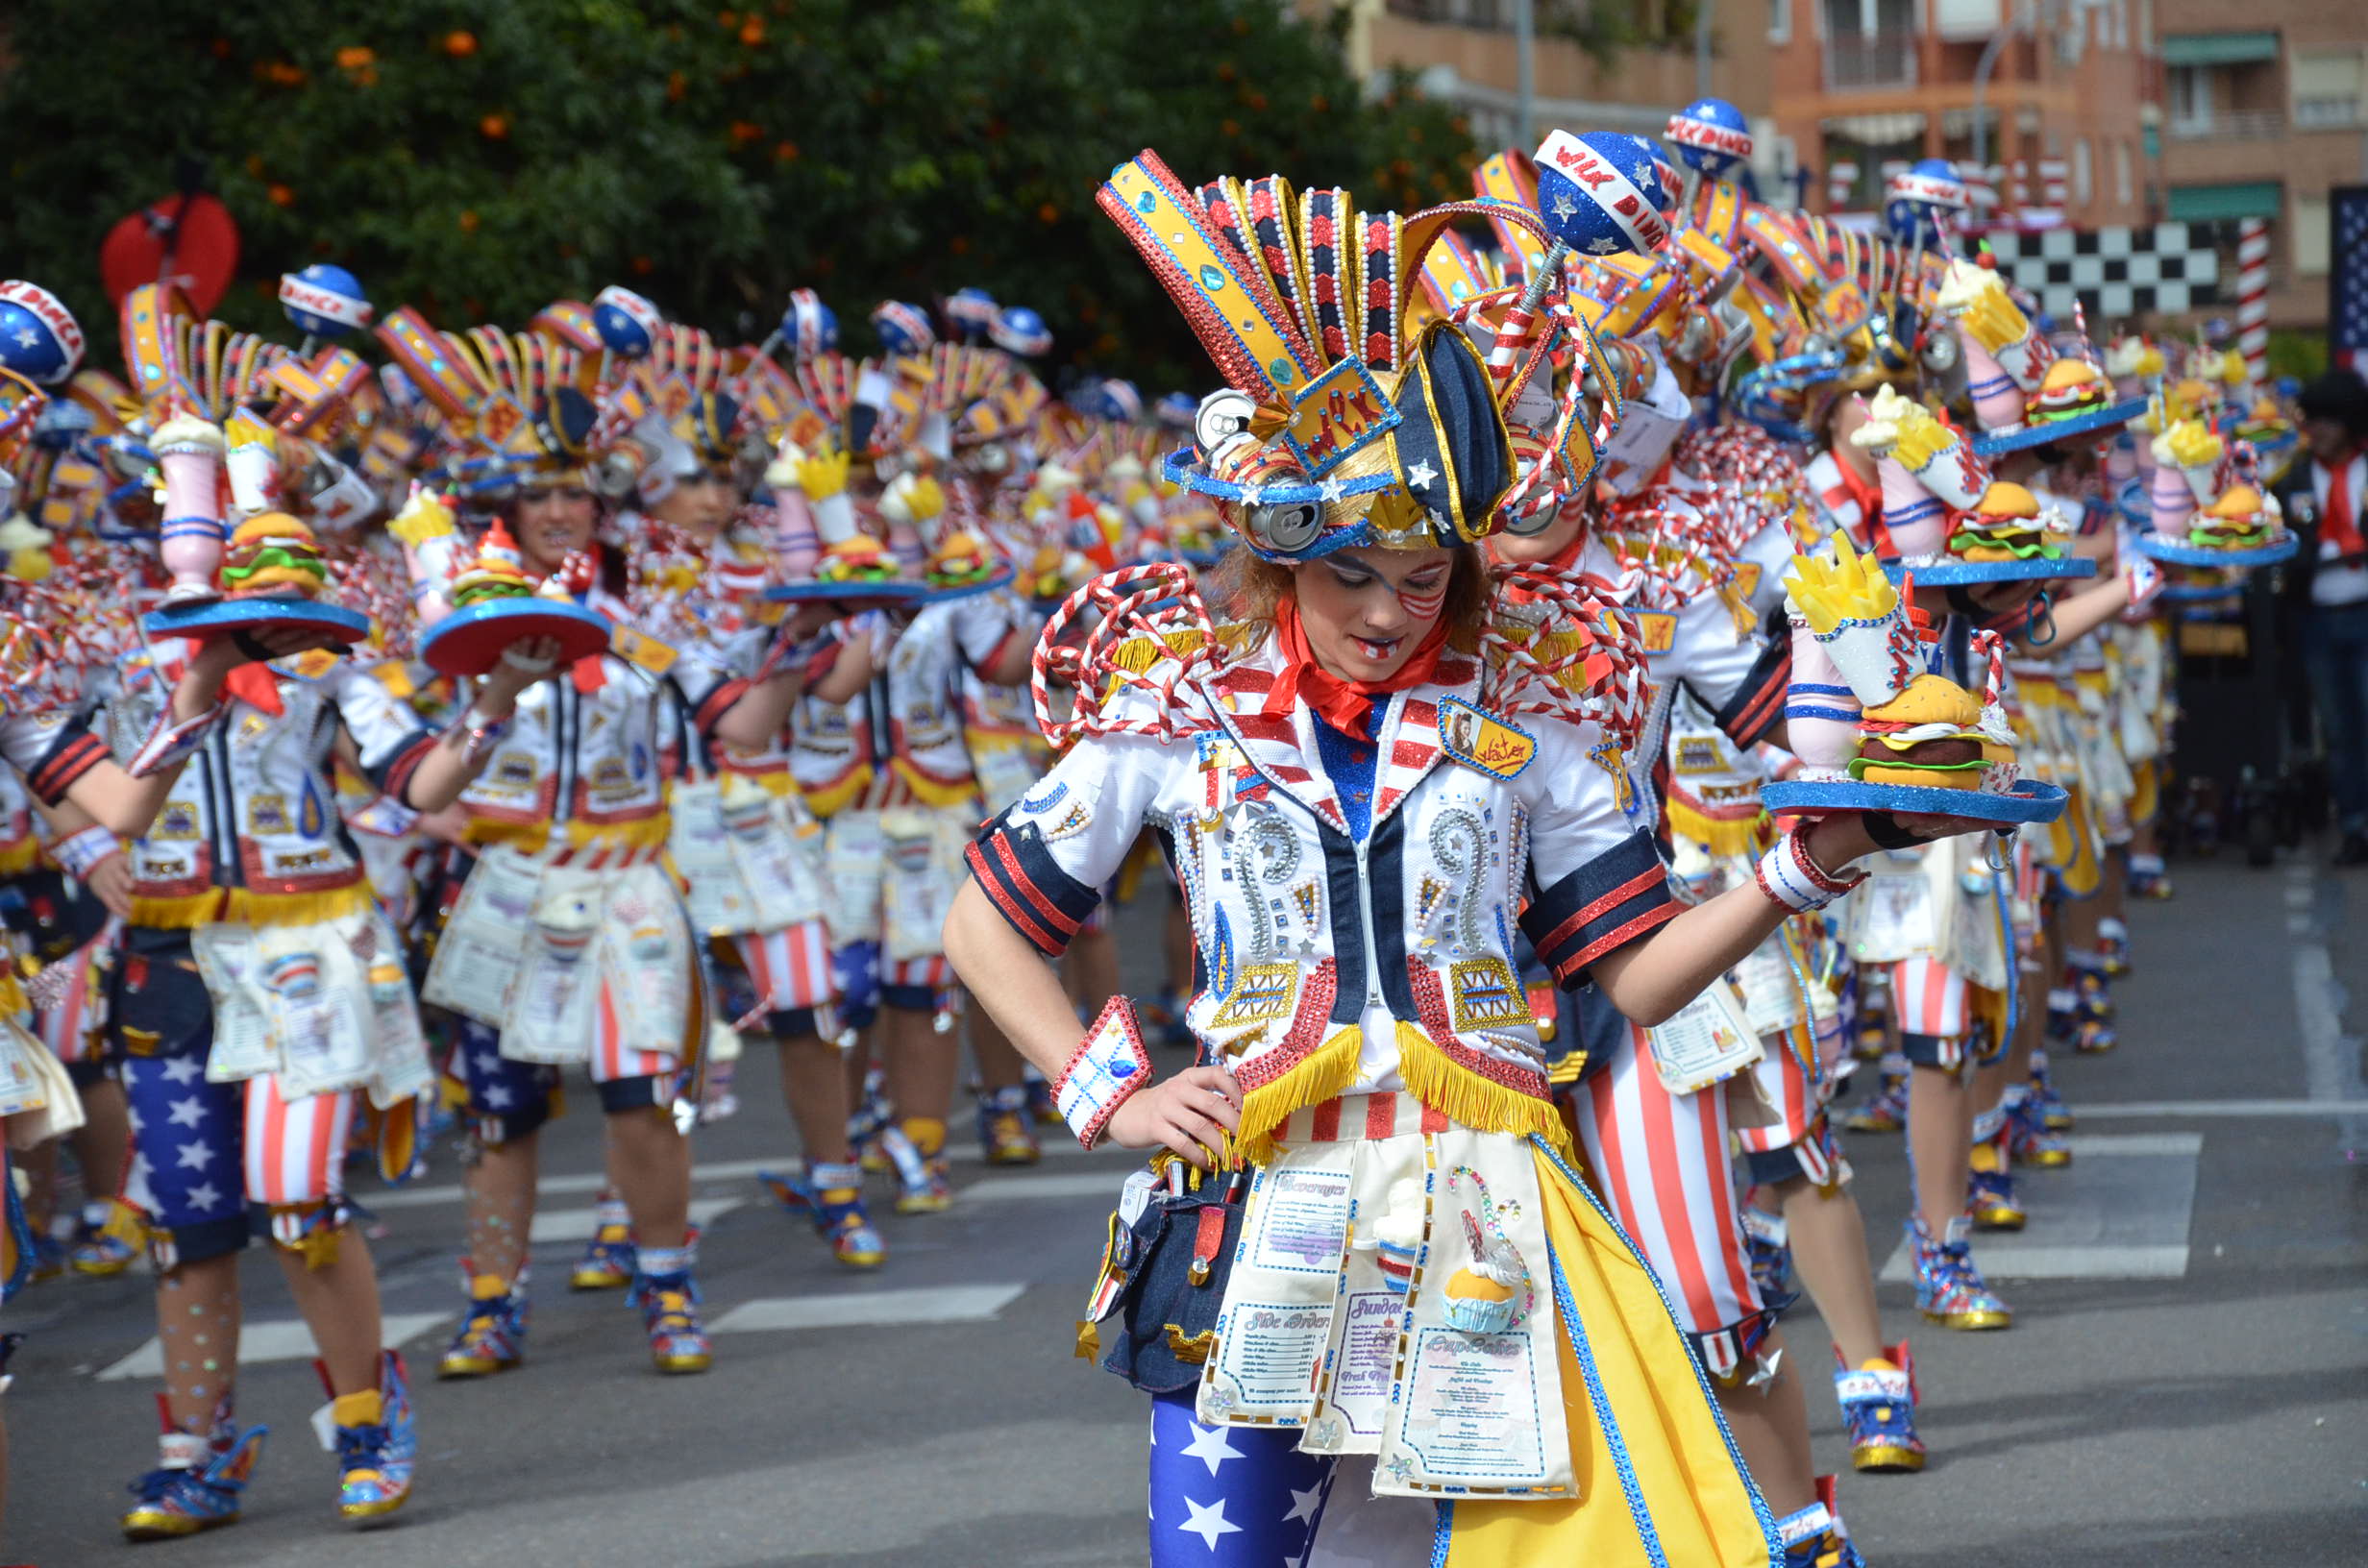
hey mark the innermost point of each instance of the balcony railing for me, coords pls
(1861, 60)
(2230, 125)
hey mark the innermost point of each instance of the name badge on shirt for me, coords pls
(1481, 741)
(641, 650)
(1657, 629)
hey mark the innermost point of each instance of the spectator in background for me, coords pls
(2325, 500)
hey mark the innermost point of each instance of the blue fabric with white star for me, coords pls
(1231, 1497)
(508, 1100)
(189, 1170)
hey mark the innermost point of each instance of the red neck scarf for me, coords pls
(1344, 704)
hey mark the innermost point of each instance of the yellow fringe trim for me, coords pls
(1721, 836)
(935, 791)
(1465, 1097)
(534, 838)
(239, 906)
(776, 782)
(20, 857)
(1325, 1074)
(831, 798)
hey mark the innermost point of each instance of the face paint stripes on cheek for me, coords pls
(1424, 604)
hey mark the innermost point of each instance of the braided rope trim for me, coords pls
(1600, 677)
(1156, 599)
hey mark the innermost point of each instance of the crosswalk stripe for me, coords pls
(722, 1170)
(281, 1340)
(575, 1225)
(869, 1309)
(1066, 1185)
(2119, 1211)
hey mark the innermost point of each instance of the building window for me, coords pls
(1780, 21)
(2079, 172)
(2122, 191)
(2326, 90)
(2191, 98)
(2145, 27)
(2309, 246)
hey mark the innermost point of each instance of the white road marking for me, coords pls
(575, 1225)
(286, 1340)
(2120, 1212)
(1066, 1185)
(869, 1309)
(722, 1170)
(2216, 1110)
(2331, 1063)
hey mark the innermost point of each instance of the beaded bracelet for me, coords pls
(1794, 881)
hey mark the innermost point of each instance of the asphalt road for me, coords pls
(2186, 1380)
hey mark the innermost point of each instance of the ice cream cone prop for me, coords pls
(2170, 500)
(424, 527)
(1821, 711)
(189, 450)
(1913, 515)
(1997, 402)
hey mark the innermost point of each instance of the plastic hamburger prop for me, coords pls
(1875, 729)
(496, 605)
(271, 575)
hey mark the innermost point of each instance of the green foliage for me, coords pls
(2302, 356)
(483, 159)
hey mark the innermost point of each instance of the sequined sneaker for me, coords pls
(607, 1261)
(669, 1306)
(870, 1124)
(1878, 1409)
(928, 1193)
(1813, 1538)
(199, 1485)
(493, 1338)
(2093, 1033)
(2148, 878)
(1990, 1201)
(377, 1445)
(832, 1197)
(2053, 1115)
(109, 1245)
(1949, 1289)
(1886, 1111)
(2030, 1137)
(1003, 1131)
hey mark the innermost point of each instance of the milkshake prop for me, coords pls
(1881, 733)
(494, 606)
(855, 569)
(2203, 516)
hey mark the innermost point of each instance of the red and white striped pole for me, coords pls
(2253, 296)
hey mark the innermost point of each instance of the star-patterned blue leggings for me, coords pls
(1231, 1497)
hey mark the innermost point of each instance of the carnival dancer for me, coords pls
(569, 942)
(748, 850)
(1358, 809)
(890, 774)
(261, 1011)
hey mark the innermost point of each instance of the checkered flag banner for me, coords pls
(2114, 273)
(2347, 276)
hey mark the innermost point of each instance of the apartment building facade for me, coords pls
(2265, 111)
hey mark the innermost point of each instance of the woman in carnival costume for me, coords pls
(258, 1006)
(569, 943)
(1686, 543)
(1380, 761)
(747, 847)
(888, 769)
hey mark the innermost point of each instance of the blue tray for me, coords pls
(470, 642)
(2172, 553)
(223, 617)
(1950, 574)
(2030, 802)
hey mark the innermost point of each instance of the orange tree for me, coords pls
(482, 161)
